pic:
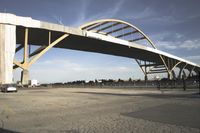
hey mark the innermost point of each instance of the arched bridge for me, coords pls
(108, 36)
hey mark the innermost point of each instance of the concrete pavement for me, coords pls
(79, 110)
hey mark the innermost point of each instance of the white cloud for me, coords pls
(164, 19)
(159, 36)
(147, 12)
(194, 58)
(109, 13)
(190, 44)
(187, 44)
(166, 45)
(64, 70)
(82, 14)
(178, 35)
(179, 43)
(123, 69)
(58, 19)
(116, 8)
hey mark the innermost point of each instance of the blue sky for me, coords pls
(173, 25)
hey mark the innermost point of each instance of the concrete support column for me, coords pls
(169, 75)
(145, 77)
(7, 52)
(25, 77)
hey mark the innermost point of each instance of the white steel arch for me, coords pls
(110, 27)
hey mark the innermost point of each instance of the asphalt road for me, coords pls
(85, 110)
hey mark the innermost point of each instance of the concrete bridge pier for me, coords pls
(169, 76)
(25, 77)
(145, 77)
(7, 52)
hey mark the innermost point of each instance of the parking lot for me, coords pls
(85, 110)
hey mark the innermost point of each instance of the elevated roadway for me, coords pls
(108, 36)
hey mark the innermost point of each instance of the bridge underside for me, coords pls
(41, 38)
(99, 36)
(149, 62)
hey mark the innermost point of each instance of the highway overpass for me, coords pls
(108, 36)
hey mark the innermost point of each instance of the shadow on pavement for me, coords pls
(175, 114)
(153, 95)
(7, 131)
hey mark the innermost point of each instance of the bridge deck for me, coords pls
(84, 40)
